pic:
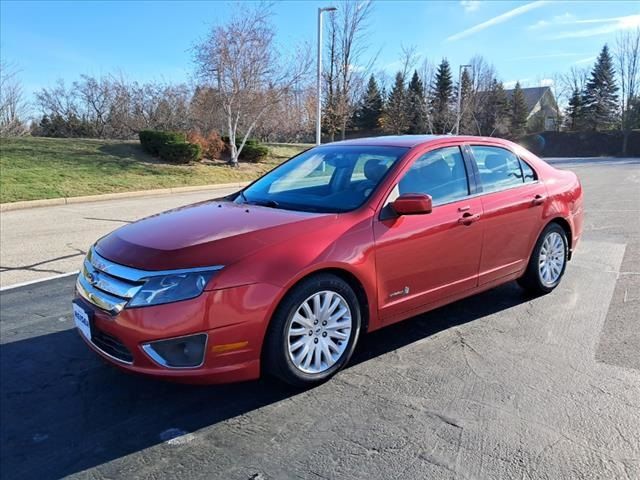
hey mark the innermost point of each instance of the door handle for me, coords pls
(538, 200)
(466, 208)
(468, 218)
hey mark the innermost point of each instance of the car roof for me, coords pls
(409, 141)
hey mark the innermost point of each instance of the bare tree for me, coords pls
(96, 97)
(241, 63)
(627, 56)
(13, 107)
(346, 72)
(483, 77)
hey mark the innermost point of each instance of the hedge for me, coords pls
(180, 152)
(152, 141)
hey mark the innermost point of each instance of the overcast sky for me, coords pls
(526, 41)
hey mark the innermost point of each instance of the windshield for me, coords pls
(324, 179)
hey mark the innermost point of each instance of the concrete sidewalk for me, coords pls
(43, 242)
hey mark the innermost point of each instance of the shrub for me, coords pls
(253, 152)
(212, 145)
(152, 140)
(180, 152)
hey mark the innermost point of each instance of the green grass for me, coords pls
(34, 168)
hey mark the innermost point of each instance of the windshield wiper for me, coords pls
(264, 203)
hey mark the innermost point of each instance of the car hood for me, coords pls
(204, 234)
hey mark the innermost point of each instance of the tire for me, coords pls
(295, 327)
(536, 279)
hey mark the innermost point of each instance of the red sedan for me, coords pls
(286, 275)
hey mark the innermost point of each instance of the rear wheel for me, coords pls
(314, 331)
(548, 261)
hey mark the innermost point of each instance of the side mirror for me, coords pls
(412, 204)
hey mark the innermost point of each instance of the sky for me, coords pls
(525, 40)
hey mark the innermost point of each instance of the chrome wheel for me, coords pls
(319, 332)
(551, 259)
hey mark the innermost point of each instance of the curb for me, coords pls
(48, 202)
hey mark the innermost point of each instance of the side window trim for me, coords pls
(473, 174)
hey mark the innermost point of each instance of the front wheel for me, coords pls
(548, 261)
(314, 331)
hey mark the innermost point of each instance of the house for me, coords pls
(542, 107)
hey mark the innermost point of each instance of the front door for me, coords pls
(422, 259)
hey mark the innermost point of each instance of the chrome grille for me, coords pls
(107, 285)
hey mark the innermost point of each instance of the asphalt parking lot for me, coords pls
(499, 385)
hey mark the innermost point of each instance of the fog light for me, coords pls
(181, 352)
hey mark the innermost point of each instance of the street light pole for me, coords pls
(319, 74)
(458, 114)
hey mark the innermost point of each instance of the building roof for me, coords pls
(532, 95)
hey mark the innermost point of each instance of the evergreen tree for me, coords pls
(395, 119)
(442, 99)
(368, 115)
(575, 111)
(494, 119)
(600, 95)
(467, 124)
(519, 111)
(416, 105)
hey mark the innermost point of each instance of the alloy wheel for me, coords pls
(319, 332)
(551, 259)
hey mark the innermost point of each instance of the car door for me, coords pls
(512, 204)
(422, 259)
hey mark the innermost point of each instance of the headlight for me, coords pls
(170, 288)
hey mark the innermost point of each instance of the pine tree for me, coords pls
(370, 111)
(467, 124)
(575, 111)
(494, 120)
(441, 99)
(416, 105)
(600, 95)
(395, 119)
(519, 111)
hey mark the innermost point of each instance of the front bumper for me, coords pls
(234, 319)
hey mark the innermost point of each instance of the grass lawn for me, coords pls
(33, 168)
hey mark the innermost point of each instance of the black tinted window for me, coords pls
(440, 173)
(499, 168)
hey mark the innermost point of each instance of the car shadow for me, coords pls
(64, 411)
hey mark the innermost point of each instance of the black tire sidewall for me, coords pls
(277, 355)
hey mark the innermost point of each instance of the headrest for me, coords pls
(495, 162)
(438, 170)
(374, 170)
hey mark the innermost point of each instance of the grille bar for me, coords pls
(111, 345)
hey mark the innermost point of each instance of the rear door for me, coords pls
(422, 259)
(512, 204)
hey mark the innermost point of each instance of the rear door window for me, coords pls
(499, 168)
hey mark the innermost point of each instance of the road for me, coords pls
(43, 242)
(496, 386)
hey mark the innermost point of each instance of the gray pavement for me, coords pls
(43, 242)
(499, 385)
